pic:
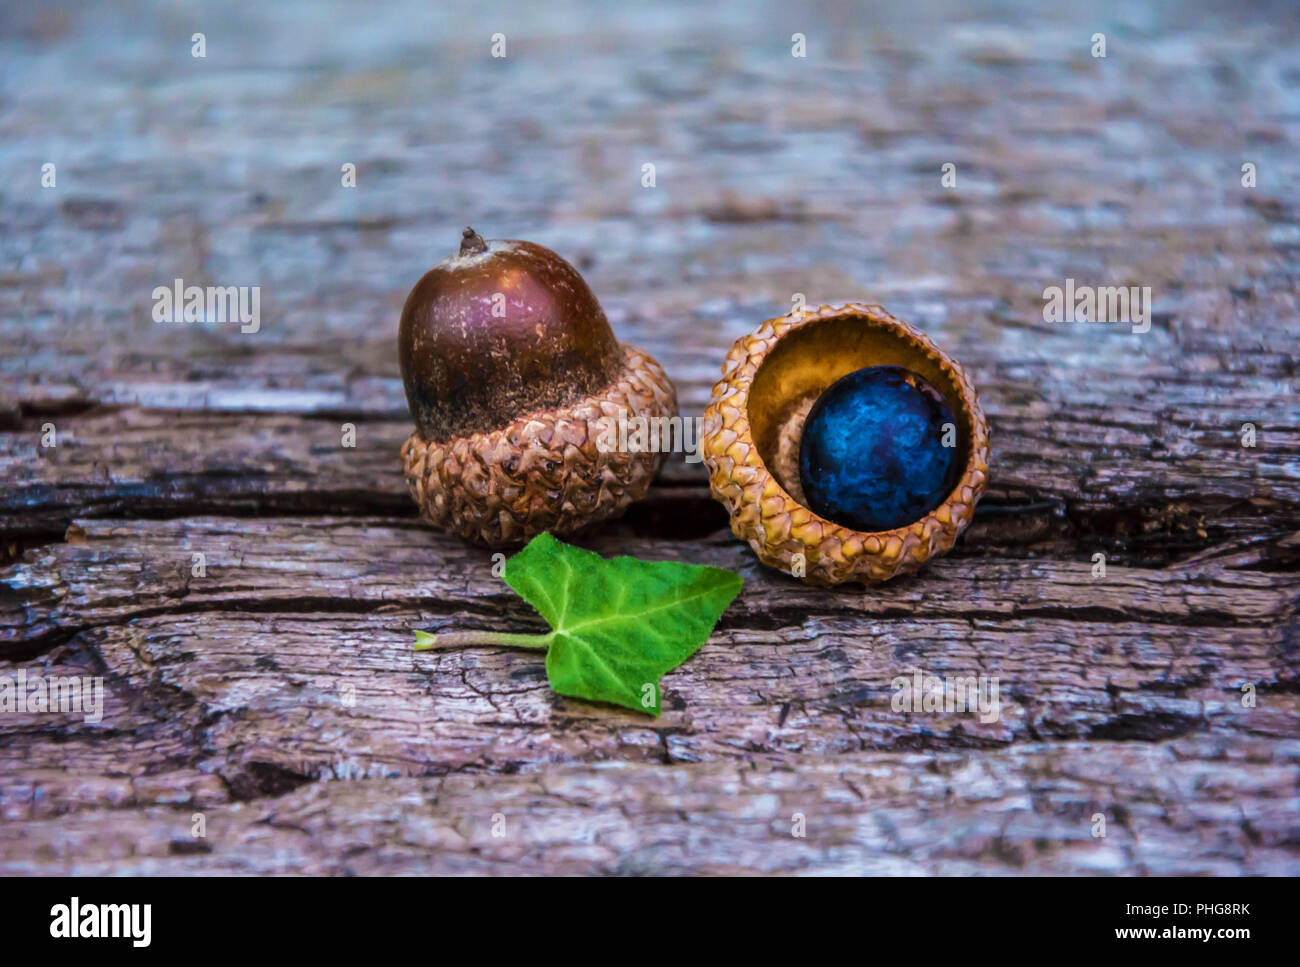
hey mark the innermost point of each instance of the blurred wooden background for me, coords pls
(227, 695)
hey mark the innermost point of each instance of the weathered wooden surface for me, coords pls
(775, 175)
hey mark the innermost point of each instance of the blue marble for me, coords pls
(872, 456)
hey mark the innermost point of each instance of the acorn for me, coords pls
(517, 386)
(779, 439)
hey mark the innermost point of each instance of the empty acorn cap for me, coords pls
(515, 381)
(770, 379)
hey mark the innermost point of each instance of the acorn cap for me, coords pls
(752, 427)
(516, 382)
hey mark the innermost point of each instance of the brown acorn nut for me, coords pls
(516, 385)
(752, 426)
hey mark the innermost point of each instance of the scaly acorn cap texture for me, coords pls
(517, 385)
(770, 379)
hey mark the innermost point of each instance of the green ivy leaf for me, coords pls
(618, 625)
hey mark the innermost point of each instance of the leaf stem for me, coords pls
(461, 639)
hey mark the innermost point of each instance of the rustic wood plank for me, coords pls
(1202, 806)
(249, 669)
(1107, 486)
